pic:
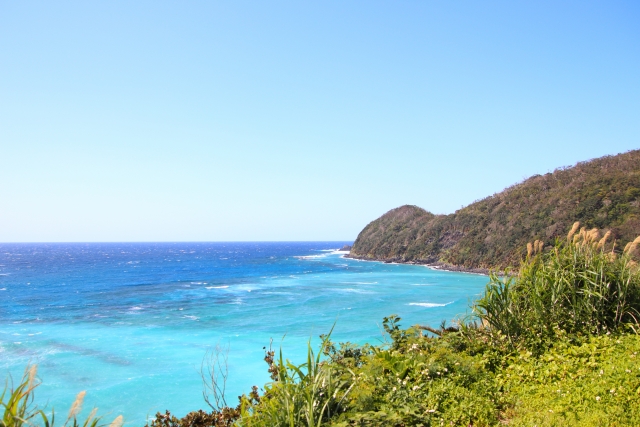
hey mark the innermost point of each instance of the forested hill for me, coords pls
(492, 233)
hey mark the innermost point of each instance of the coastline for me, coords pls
(435, 265)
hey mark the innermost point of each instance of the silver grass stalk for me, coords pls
(117, 422)
(573, 230)
(603, 241)
(634, 245)
(91, 415)
(77, 405)
(32, 376)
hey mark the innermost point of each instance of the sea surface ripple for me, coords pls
(130, 323)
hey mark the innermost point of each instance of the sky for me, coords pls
(282, 121)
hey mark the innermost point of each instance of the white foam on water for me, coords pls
(360, 283)
(233, 316)
(354, 291)
(429, 304)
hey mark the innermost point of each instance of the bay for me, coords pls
(130, 323)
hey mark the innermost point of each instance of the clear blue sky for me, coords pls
(270, 120)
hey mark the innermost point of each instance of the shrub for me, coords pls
(307, 395)
(576, 288)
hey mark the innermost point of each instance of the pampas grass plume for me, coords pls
(91, 415)
(632, 247)
(32, 376)
(603, 241)
(77, 405)
(573, 230)
(117, 422)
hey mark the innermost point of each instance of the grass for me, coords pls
(577, 287)
(19, 410)
(301, 395)
(596, 383)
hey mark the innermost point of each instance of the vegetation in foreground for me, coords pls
(18, 408)
(556, 345)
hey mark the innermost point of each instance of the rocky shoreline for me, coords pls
(437, 265)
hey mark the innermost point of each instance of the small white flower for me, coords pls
(598, 398)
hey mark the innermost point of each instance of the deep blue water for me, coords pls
(131, 322)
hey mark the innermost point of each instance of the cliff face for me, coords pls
(492, 233)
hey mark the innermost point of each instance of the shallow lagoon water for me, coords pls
(130, 323)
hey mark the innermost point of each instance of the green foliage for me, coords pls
(422, 381)
(19, 409)
(225, 417)
(461, 378)
(595, 383)
(577, 288)
(17, 402)
(307, 395)
(556, 347)
(491, 233)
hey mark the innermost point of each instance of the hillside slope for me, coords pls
(492, 233)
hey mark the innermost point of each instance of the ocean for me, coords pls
(131, 323)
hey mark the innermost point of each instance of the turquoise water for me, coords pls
(131, 323)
